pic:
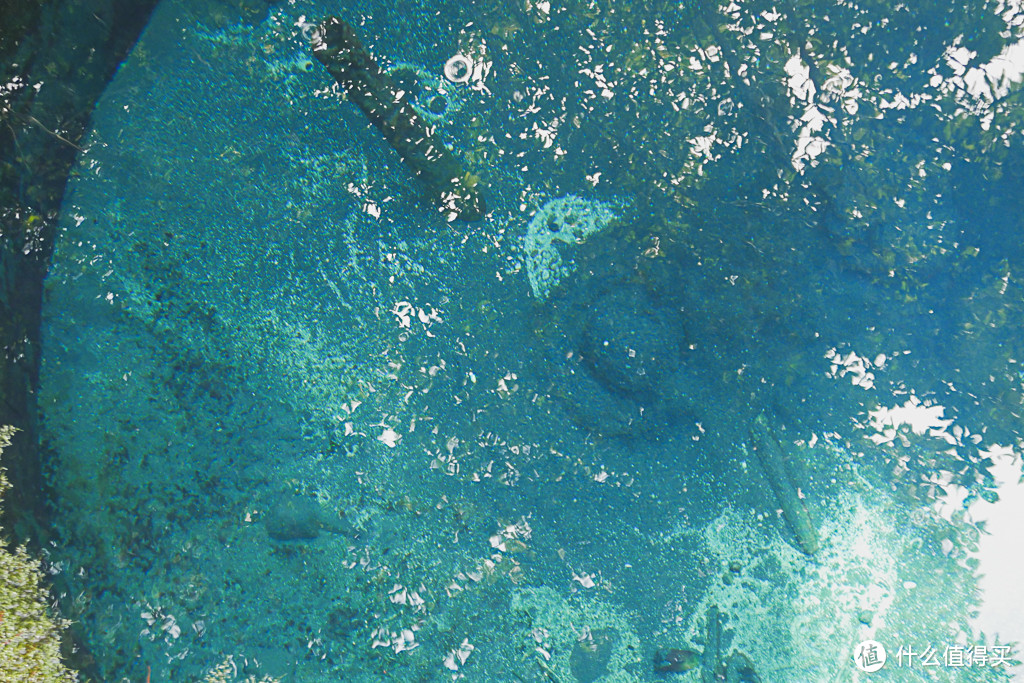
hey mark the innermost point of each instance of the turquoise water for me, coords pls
(741, 331)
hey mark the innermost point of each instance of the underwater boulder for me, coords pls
(562, 224)
(631, 344)
(590, 405)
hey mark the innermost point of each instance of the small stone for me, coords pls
(735, 566)
(865, 617)
(727, 579)
(294, 518)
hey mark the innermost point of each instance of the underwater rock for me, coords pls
(337, 47)
(293, 519)
(588, 403)
(740, 669)
(674, 660)
(343, 621)
(631, 345)
(297, 518)
(772, 459)
(569, 220)
(619, 361)
(590, 656)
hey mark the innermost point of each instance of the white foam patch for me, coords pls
(797, 617)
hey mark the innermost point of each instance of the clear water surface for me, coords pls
(741, 334)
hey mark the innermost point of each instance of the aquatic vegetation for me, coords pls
(30, 634)
(567, 221)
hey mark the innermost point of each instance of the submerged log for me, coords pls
(455, 190)
(712, 664)
(716, 665)
(770, 455)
